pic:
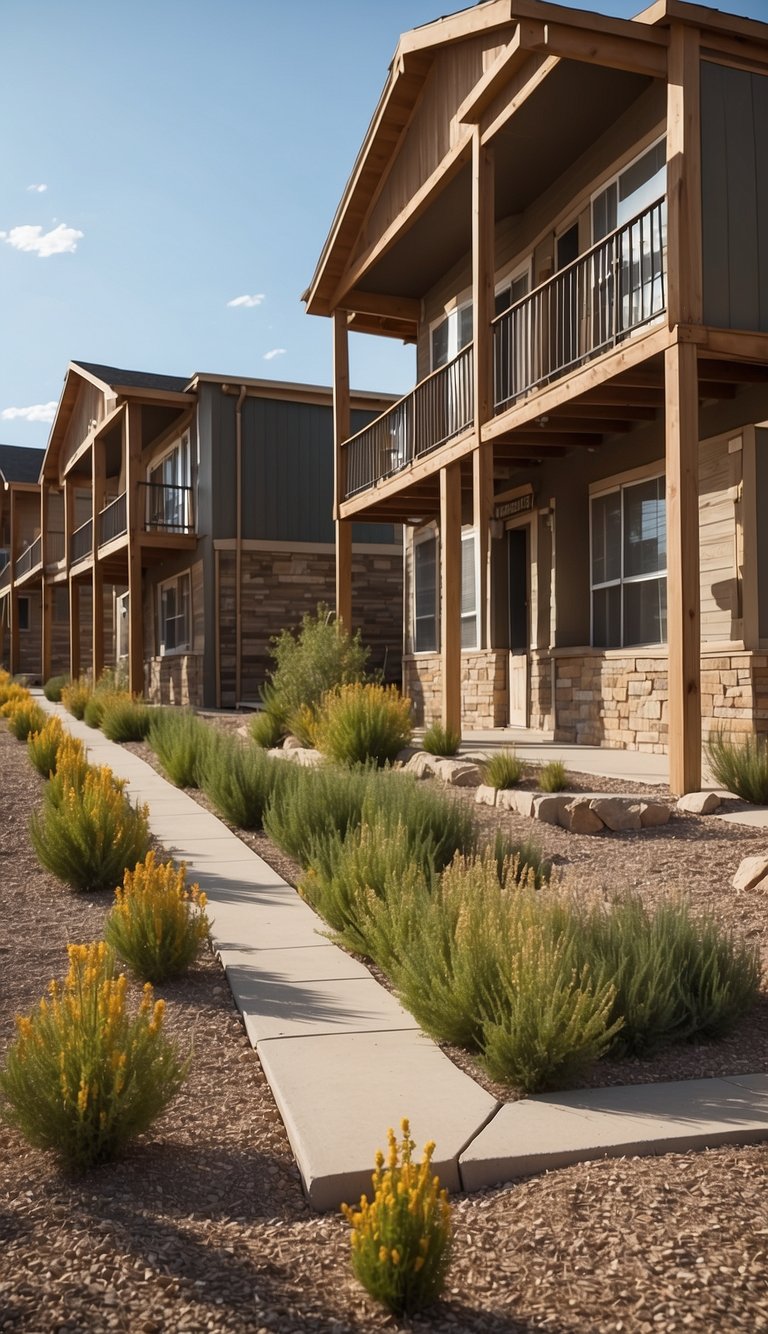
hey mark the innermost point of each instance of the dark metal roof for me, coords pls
(20, 463)
(113, 375)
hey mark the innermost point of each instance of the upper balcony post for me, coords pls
(46, 590)
(685, 303)
(14, 656)
(73, 590)
(342, 423)
(132, 429)
(483, 310)
(98, 489)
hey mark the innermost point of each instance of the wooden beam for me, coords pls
(524, 86)
(483, 271)
(684, 236)
(683, 607)
(450, 595)
(342, 429)
(46, 628)
(633, 53)
(404, 308)
(737, 372)
(382, 327)
(135, 523)
(508, 63)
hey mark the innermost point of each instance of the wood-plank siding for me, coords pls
(90, 406)
(721, 542)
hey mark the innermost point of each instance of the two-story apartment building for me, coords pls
(183, 521)
(569, 214)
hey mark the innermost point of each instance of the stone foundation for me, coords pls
(483, 687)
(176, 678)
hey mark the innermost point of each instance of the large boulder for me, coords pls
(653, 814)
(549, 808)
(699, 803)
(580, 818)
(751, 872)
(616, 814)
(458, 773)
(421, 765)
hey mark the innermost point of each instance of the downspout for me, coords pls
(239, 544)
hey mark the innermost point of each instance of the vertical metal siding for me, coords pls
(761, 461)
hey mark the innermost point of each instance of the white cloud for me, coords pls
(276, 352)
(38, 189)
(38, 412)
(60, 240)
(247, 301)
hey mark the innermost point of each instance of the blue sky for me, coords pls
(162, 159)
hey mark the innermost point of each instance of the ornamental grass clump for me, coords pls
(180, 741)
(75, 696)
(504, 769)
(88, 832)
(93, 713)
(439, 740)
(266, 730)
(240, 779)
(43, 746)
(552, 777)
(11, 693)
(158, 925)
(363, 722)
(85, 1076)
(125, 719)
(740, 766)
(310, 805)
(53, 688)
(401, 1240)
(24, 717)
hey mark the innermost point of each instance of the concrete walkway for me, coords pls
(345, 1061)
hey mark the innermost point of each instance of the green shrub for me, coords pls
(302, 723)
(84, 1076)
(504, 769)
(266, 730)
(75, 696)
(308, 805)
(53, 688)
(401, 1241)
(525, 858)
(93, 713)
(88, 835)
(26, 717)
(438, 824)
(181, 741)
(125, 719)
(320, 656)
(439, 740)
(740, 767)
(361, 722)
(676, 977)
(240, 779)
(43, 746)
(552, 777)
(157, 926)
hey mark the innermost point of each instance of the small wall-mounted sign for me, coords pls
(507, 509)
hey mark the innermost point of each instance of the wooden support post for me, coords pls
(684, 240)
(74, 606)
(74, 628)
(98, 490)
(483, 270)
(683, 609)
(135, 524)
(342, 430)
(46, 629)
(14, 655)
(450, 594)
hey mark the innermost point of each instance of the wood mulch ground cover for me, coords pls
(203, 1226)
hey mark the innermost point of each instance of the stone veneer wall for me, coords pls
(483, 687)
(176, 678)
(621, 701)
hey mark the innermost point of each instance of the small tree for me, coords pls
(319, 657)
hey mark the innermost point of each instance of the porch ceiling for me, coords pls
(572, 107)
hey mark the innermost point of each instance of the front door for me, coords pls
(517, 552)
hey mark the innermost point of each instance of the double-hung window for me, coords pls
(175, 614)
(468, 590)
(451, 334)
(169, 506)
(629, 565)
(425, 593)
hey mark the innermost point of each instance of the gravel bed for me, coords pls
(203, 1226)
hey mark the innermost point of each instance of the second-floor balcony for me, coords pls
(586, 309)
(113, 519)
(30, 557)
(81, 542)
(167, 508)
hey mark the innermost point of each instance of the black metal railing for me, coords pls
(585, 309)
(113, 519)
(5, 575)
(54, 548)
(29, 558)
(81, 542)
(437, 410)
(168, 509)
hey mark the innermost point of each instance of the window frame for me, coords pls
(614, 179)
(175, 581)
(611, 486)
(468, 534)
(429, 534)
(452, 317)
(182, 446)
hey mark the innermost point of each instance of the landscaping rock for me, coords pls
(580, 818)
(653, 814)
(421, 765)
(510, 799)
(457, 773)
(699, 803)
(308, 759)
(751, 871)
(549, 809)
(292, 743)
(485, 795)
(617, 815)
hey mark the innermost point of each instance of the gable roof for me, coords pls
(20, 463)
(113, 376)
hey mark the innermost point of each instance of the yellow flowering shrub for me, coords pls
(157, 925)
(88, 832)
(43, 746)
(24, 716)
(11, 693)
(75, 696)
(401, 1239)
(69, 769)
(361, 722)
(84, 1074)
